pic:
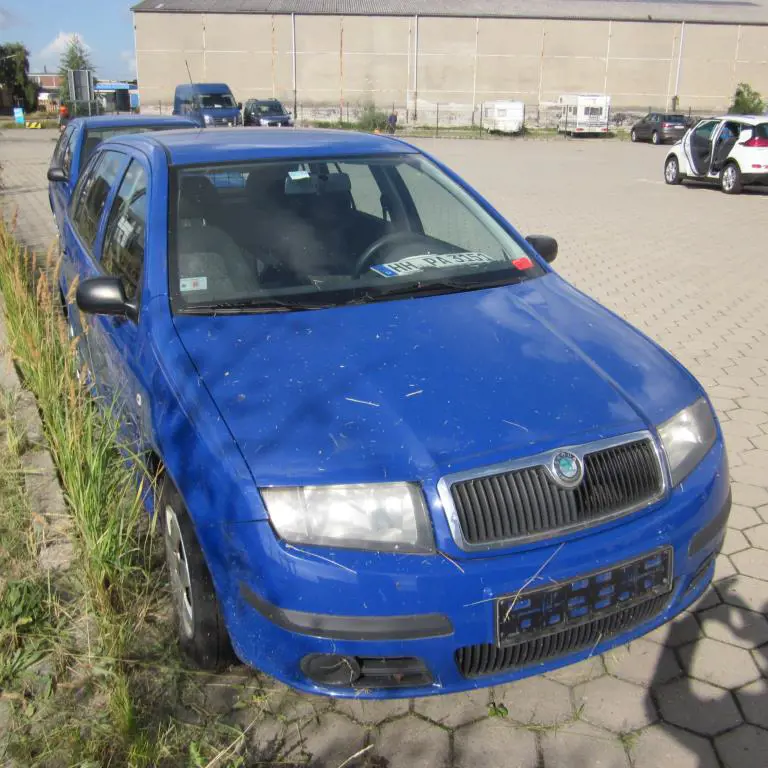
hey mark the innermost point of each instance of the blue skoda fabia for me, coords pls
(400, 455)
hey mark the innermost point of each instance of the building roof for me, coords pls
(237, 145)
(706, 11)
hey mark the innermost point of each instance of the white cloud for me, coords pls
(52, 52)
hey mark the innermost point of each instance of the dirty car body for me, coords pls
(415, 459)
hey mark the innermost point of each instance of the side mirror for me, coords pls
(57, 173)
(545, 246)
(239, 104)
(105, 296)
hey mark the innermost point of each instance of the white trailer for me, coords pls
(583, 114)
(504, 116)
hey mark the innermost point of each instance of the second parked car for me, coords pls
(268, 112)
(79, 141)
(659, 128)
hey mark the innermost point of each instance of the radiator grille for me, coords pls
(489, 659)
(528, 501)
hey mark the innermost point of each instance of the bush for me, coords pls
(372, 119)
(746, 101)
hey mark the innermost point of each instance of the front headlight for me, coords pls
(687, 438)
(263, 121)
(385, 516)
(207, 119)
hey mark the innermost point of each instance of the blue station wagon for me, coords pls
(400, 455)
(78, 142)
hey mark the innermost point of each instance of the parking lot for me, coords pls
(688, 266)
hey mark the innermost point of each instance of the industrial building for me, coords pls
(415, 54)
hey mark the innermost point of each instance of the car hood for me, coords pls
(412, 389)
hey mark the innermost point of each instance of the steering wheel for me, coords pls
(395, 238)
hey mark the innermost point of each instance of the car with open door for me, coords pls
(79, 140)
(730, 151)
(399, 454)
(659, 128)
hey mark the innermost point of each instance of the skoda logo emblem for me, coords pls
(567, 468)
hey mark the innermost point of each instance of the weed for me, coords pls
(497, 709)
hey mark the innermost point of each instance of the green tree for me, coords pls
(14, 76)
(746, 101)
(75, 56)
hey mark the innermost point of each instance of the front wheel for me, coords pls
(656, 138)
(730, 179)
(633, 135)
(202, 635)
(672, 171)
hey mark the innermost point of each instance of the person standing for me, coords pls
(392, 122)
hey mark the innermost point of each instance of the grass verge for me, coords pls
(105, 684)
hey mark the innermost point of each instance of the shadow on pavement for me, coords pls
(715, 714)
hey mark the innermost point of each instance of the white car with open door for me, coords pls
(731, 151)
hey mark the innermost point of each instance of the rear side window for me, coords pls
(760, 131)
(704, 130)
(124, 238)
(91, 195)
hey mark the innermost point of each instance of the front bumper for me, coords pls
(284, 604)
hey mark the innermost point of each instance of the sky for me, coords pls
(45, 26)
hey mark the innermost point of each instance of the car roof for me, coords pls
(232, 145)
(751, 119)
(118, 121)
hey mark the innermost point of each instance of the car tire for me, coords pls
(730, 179)
(203, 637)
(672, 170)
(656, 138)
(633, 135)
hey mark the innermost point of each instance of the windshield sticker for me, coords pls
(437, 261)
(523, 262)
(187, 284)
(298, 175)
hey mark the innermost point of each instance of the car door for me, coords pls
(117, 341)
(697, 146)
(58, 191)
(82, 230)
(645, 127)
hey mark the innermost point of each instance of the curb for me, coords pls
(41, 481)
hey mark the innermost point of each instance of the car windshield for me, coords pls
(94, 136)
(673, 118)
(217, 101)
(305, 235)
(268, 108)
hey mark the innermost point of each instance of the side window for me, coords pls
(66, 155)
(61, 146)
(705, 130)
(92, 193)
(123, 254)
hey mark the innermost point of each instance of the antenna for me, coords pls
(189, 74)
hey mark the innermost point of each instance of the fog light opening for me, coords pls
(330, 669)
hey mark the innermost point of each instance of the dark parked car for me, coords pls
(659, 127)
(266, 112)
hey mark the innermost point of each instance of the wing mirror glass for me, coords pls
(57, 173)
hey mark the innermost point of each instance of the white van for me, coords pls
(583, 113)
(504, 116)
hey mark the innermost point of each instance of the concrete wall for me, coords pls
(456, 62)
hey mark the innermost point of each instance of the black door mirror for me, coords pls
(545, 246)
(57, 173)
(239, 104)
(105, 296)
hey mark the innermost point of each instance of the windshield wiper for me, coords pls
(250, 307)
(436, 287)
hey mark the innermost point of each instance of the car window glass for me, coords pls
(92, 194)
(123, 253)
(705, 130)
(66, 156)
(61, 146)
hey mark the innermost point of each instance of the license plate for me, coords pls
(547, 610)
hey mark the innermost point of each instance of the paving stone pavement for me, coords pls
(686, 265)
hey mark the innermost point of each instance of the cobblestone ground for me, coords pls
(688, 266)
